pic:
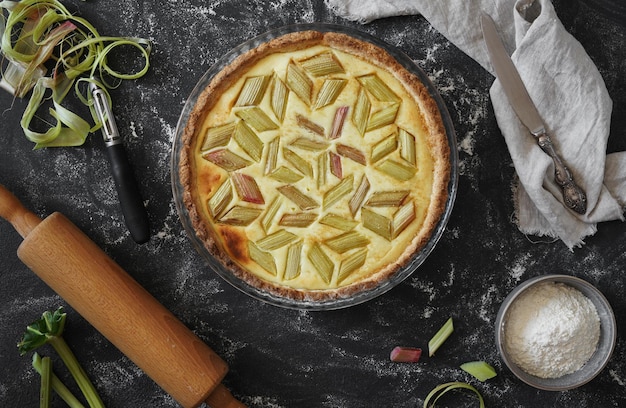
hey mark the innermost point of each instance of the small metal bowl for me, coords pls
(598, 360)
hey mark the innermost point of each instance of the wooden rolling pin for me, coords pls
(118, 307)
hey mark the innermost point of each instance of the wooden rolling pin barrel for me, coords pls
(118, 307)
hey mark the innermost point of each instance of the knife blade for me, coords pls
(134, 212)
(517, 94)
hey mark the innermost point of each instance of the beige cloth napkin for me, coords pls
(564, 84)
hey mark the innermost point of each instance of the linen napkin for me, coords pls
(567, 89)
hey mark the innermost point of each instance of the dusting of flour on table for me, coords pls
(551, 330)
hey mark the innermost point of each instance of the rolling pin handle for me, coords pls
(12, 210)
(222, 398)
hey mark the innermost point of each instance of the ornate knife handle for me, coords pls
(573, 196)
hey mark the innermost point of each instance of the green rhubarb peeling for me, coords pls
(441, 389)
(47, 51)
(440, 337)
(481, 370)
(49, 330)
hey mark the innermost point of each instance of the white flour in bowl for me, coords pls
(551, 330)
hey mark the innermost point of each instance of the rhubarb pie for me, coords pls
(314, 166)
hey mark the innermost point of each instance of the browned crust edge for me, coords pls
(374, 54)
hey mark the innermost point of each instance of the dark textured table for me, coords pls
(288, 358)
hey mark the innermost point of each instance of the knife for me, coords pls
(573, 196)
(134, 212)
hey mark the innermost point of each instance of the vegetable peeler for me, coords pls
(135, 215)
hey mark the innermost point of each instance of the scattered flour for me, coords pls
(467, 144)
(485, 311)
(551, 330)
(263, 401)
(617, 378)
(519, 267)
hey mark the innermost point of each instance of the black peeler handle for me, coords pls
(134, 212)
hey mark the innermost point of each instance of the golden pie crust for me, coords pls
(293, 207)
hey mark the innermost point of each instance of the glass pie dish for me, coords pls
(357, 297)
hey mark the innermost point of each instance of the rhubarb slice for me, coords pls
(480, 370)
(405, 354)
(440, 337)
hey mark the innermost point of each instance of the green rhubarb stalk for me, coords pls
(57, 385)
(44, 390)
(48, 330)
(442, 335)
